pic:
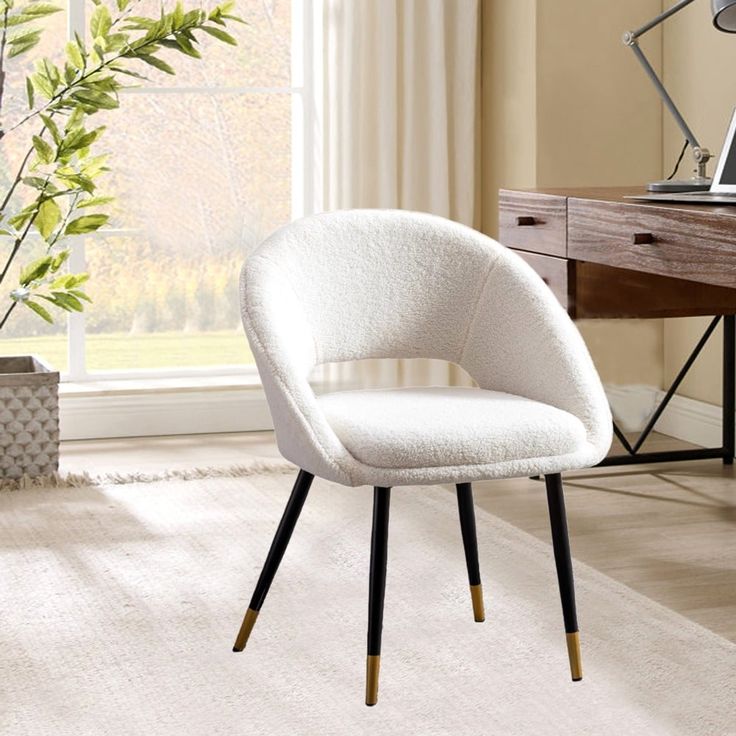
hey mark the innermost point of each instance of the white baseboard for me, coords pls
(686, 419)
(692, 421)
(149, 413)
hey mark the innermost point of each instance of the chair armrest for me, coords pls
(521, 341)
(285, 353)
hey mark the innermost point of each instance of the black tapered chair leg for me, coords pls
(377, 589)
(275, 554)
(563, 562)
(470, 543)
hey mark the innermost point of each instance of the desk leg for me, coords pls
(729, 387)
(726, 450)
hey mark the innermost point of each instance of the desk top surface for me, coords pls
(618, 194)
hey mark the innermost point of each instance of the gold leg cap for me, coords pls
(245, 629)
(373, 665)
(573, 652)
(476, 594)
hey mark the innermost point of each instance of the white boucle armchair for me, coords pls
(393, 284)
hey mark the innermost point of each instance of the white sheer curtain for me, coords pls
(401, 119)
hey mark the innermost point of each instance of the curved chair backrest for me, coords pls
(379, 283)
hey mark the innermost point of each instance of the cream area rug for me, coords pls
(120, 603)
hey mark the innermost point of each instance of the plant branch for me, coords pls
(17, 179)
(19, 240)
(8, 313)
(124, 15)
(64, 222)
(3, 41)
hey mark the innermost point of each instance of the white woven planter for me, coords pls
(29, 418)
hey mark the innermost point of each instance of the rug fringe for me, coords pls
(258, 466)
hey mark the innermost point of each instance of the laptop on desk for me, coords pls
(723, 188)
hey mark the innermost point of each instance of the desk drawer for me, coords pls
(554, 273)
(660, 240)
(533, 222)
(594, 291)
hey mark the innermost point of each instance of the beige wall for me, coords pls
(508, 101)
(699, 71)
(565, 104)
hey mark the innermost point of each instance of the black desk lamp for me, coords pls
(724, 19)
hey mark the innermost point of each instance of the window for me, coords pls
(204, 166)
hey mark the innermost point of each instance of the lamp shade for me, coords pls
(724, 15)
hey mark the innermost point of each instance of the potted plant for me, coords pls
(53, 190)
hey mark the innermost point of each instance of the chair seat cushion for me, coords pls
(432, 427)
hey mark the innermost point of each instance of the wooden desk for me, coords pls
(608, 257)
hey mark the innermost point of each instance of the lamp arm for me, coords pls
(701, 155)
(664, 94)
(661, 18)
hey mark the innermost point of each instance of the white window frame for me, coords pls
(305, 91)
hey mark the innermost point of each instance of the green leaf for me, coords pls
(48, 217)
(70, 73)
(53, 128)
(75, 119)
(25, 36)
(139, 22)
(43, 149)
(216, 16)
(117, 41)
(74, 54)
(177, 16)
(80, 138)
(52, 72)
(59, 260)
(86, 224)
(187, 47)
(98, 83)
(95, 166)
(42, 85)
(35, 270)
(19, 20)
(219, 34)
(95, 202)
(67, 301)
(16, 49)
(96, 100)
(61, 282)
(122, 70)
(122, 4)
(157, 63)
(83, 182)
(41, 9)
(37, 182)
(29, 92)
(39, 310)
(101, 22)
(80, 295)
(69, 281)
(19, 220)
(80, 278)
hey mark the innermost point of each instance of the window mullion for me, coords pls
(76, 323)
(76, 20)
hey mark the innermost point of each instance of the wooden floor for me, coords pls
(667, 531)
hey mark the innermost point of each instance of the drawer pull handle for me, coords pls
(643, 239)
(525, 221)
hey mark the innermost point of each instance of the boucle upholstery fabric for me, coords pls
(361, 284)
(425, 427)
